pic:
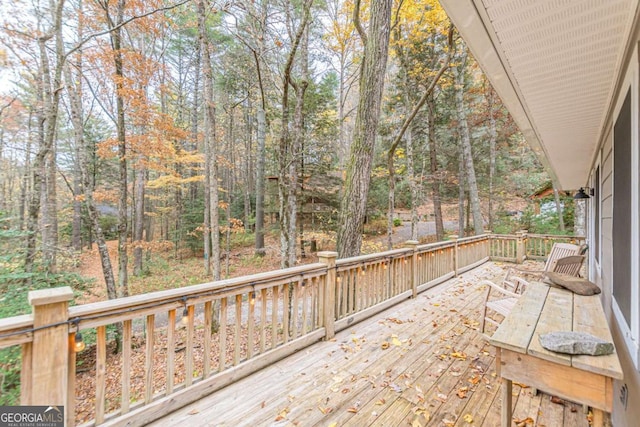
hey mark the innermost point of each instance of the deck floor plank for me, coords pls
(433, 350)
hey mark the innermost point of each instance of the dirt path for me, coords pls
(91, 267)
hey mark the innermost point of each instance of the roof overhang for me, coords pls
(556, 65)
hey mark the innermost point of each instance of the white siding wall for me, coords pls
(626, 393)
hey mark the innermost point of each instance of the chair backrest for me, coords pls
(569, 265)
(560, 250)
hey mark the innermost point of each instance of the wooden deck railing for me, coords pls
(190, 341)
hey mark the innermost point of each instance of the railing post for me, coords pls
(520, 248)
(488, 233)
(329, 258)
(456, 256)
(50, 350)
(413, 245)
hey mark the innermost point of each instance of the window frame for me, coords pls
(631, 332)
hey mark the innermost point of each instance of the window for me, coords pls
(596, 215)
(625, 273)
(622, 209)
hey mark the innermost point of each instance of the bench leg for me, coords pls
(507, 397)
(598, 418)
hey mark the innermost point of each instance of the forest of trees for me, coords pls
(179, 122)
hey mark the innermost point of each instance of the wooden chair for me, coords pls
(570, 265)
(558, 251)
(500, 300)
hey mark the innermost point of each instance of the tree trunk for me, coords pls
(462, 180)
(83, 148)
(123, 226)
(261, 132)
(492, 151)
(465, 140)
(413, 185)
(210, 141)
(433, 169)
(138, 223)
(353, 204)
(556, 197)
(261, 136)
(50, 83)
(76, 225)
(289, 147)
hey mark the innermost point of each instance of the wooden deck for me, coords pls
(420, 363)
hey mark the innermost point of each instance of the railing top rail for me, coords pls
(192, 292)
(344, 262)
(437, 245)
(16, 323)
(473, 238)
(555, 236)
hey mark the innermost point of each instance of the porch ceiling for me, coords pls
(555, 64)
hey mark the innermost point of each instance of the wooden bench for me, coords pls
(520, 357)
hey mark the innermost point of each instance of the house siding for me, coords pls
(626, 393)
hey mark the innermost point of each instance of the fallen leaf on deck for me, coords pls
(282, 415)
(353, 410)
(263, 404)
(462, 392)
(556, 399)
(385, 345)
(448, 423)
(468, 418)
(442, 397)
(459, 355)
(474, 379)
(396, 341)
(193, 412)
(325, 410)
(381, 402)
(521, 385)
(523, 422)
(333, 424)
(421, 411)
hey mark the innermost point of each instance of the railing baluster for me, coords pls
(208, 324)
(101, 372)
(305, 309)
(126, 366)
(171, 351)
(148, 368)
(188, 356)
(263, 320)
(222, 335)
(295, 288)
(238, 331)
(251, 324)
(275, 309)
(286, 307)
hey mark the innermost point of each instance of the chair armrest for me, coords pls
(516, 284)
(499, 289)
